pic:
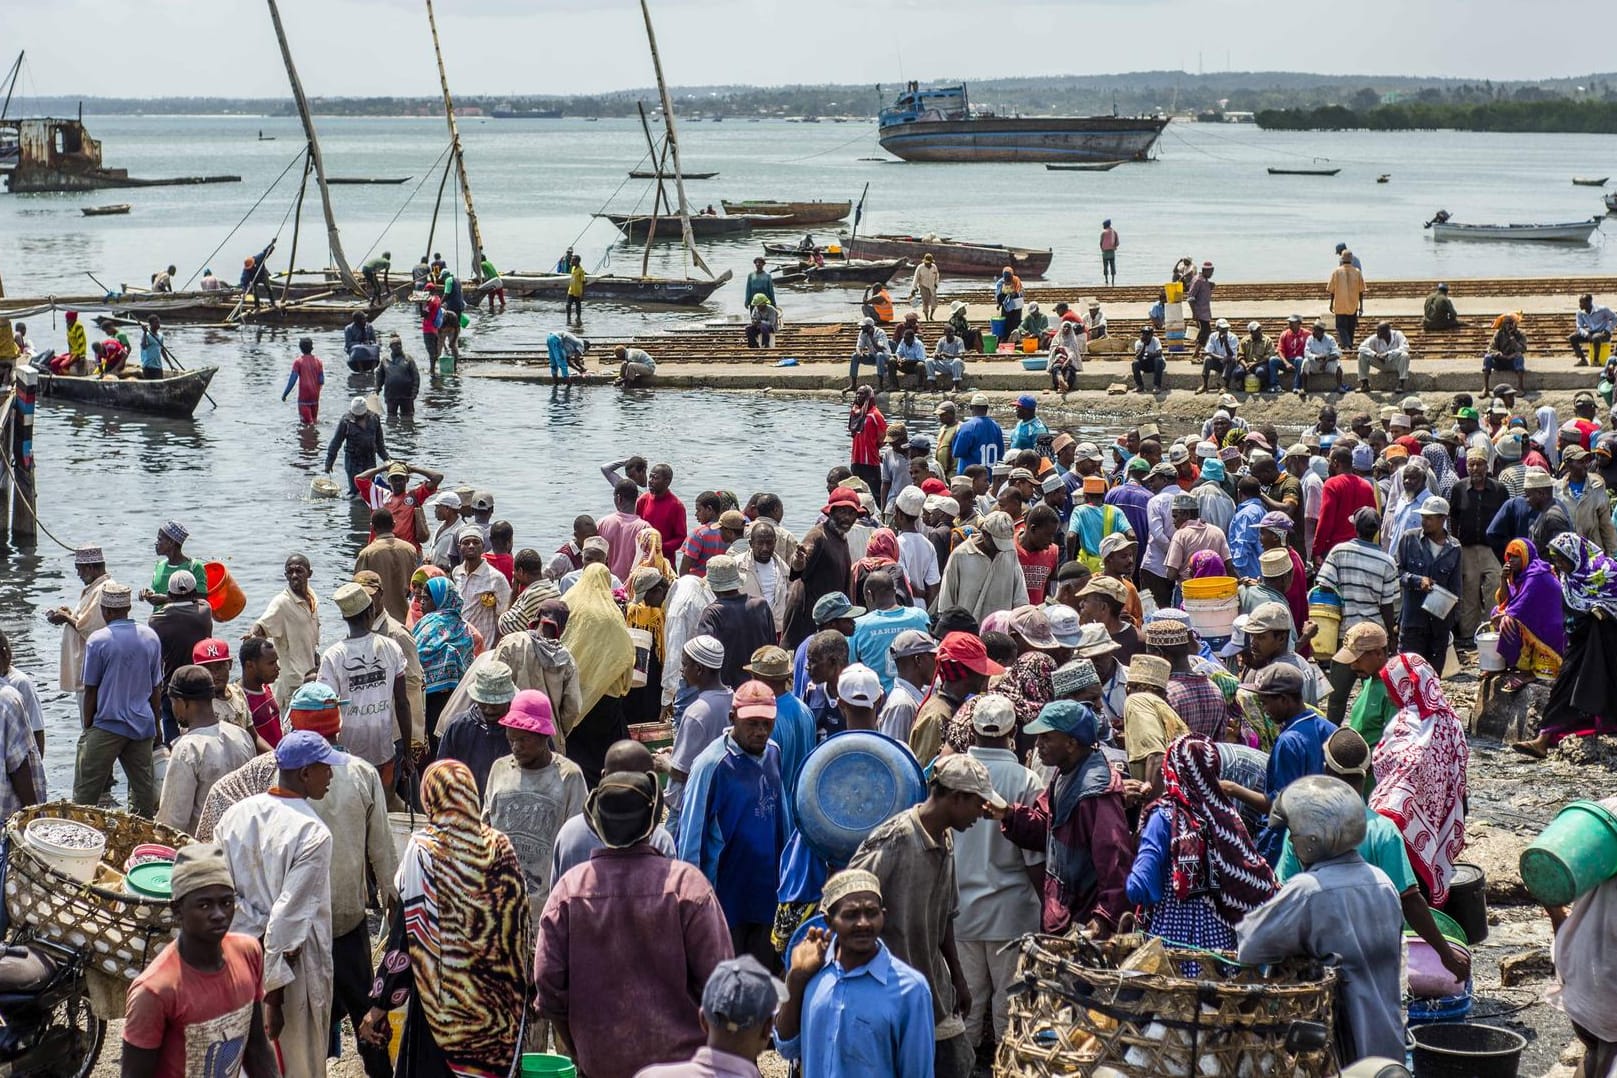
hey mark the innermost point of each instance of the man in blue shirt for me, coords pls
(123, 682)
(1298, 751)
(979, 439)
(1245, 545)
(1533, 514)
(734, 821)
(151, 349)
(873, 634)
(853, 1010)
(1595, 325)
(1029, 427)
(794, 732)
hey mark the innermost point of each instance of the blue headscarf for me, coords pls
(443, 639)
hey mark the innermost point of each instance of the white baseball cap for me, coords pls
(859, 686)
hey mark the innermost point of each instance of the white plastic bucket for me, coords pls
(642, 657)
(68, 846)
(1213, 617)
(400, 824)
(1488, 660)
(1440, 602)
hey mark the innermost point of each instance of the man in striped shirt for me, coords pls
(1366, 578)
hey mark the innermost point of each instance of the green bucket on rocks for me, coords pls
(547, 1065)
(1575, 854)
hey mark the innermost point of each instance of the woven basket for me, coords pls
(118, 929)
(1072, 1012)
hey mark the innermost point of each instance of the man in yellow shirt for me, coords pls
(78, 349)
(575, 292)
(1346, 289)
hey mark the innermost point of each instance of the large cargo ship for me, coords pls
(938, 124)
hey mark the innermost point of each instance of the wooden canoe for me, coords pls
(105, 211)
(792, 250)
(175, 395)
(636, 226)
(792, 214)
(647, 174)
(310, 313)
(1585, 181)
(663, 291)
(1304, 171)
(358, 180)
(1088, 166)
(855, 272)
(952, 256)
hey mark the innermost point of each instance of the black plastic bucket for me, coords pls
(1466, 1050)
(1468, 901)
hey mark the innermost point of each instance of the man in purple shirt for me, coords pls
(123, 682)
(628, 908)
(738, 1011)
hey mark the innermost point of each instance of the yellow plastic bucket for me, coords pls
(1209, 587)
(1328, 620)
(1175, 291)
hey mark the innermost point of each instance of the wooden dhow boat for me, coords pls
(791, 214)
(851, 271)
(1087, 166)
(611, 288)
(1304, 171)
(1586, 181)
(175, 395)
(952, 256)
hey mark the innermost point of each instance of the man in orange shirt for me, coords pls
(1346, 289)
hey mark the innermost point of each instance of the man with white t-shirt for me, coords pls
(366, 670)
(916, 554)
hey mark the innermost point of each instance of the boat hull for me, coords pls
(793, 214)
(1568, 232)
(293, 314)
(960, 259)
(667, 291)
(667, 228)
(176, 395)
(854, 272)
(1031, 139)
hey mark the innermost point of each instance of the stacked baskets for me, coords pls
(1072, 1011)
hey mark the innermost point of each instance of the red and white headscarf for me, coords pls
(1420, 768)
(1210, 850)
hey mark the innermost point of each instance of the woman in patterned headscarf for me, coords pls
(881, 554)
(1197, 870)
(1029, 682)
(1529, 617)
(1442, 477)
(648, 590)
(457, 952)
(1583, 699)
(1420, 766)
(445, 643)
(649, 552)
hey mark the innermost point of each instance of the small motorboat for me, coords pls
(1385, 177)
(112, 210)
(1585, 181)
(1304, 171)
(1444, 227)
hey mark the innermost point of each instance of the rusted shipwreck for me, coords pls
(45, 154)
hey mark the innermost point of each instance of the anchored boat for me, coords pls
(792, 214)
(1445, 228)
(175, 395)
(939, 124)
(951, 256)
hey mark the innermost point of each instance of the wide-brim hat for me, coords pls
(624, 808)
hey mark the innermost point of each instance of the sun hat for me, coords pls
(842, 497)
(706, 651)
(770, 661)
(754, 700)
(723, 574)
(530, 711)
(492, 684)
(967, 774)
(859, 685)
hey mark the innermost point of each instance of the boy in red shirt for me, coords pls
(1037, 551)
(197, 1009)
(308, 374)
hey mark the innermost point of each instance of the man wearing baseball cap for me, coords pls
(1029, 427)
(734, 821)
(739, 1004)
(229, 701)
(998, 900)
(704, 719)
(181, 623)
(963, 669)
(821, 564)
(912, 854)
(913, 656)
(1078, 822)
(280, 859)
(1104, 601)
(1299, 749)
(1428, 559)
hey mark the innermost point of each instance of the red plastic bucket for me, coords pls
(225, 596)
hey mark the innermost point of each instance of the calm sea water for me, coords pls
(238, 475)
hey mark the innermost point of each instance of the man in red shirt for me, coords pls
(398, 497)
(868, 429)
(662, 510)
(1037, 551)
(198, 1007)
(1291, 345)
(308, 374)
(1345, 493)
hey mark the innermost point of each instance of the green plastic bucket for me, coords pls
(547, 1065)
(990, 343)
(1573, 856)
(446, 363)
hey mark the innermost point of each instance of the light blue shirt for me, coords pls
(124, 663)
(871, 1022)
(151, 348)
(794, 735)
(911, 350)
(873, 636)
(1597, 320)
(1027, 432)
(1245, 546)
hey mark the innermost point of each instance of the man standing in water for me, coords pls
(1109, 243)
(359, 435)
(309, 376)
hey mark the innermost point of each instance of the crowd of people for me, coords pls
(1007, 605)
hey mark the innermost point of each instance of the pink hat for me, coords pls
(754, 700)
(530, 711)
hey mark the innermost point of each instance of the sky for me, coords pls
(496, 47)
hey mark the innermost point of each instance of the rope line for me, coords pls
(208, 261)
(408, 199)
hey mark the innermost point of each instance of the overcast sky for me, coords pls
(371, 47)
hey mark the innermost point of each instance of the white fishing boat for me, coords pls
(1445, 228)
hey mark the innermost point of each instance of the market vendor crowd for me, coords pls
(1040, 623)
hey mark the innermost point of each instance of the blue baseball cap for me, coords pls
(314, 696)
(1077, 720)
(1027, 400)
(304, 748)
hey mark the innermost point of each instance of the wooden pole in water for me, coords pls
(24, 526)
(302, 103)
(297, 226)
(460, 160)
